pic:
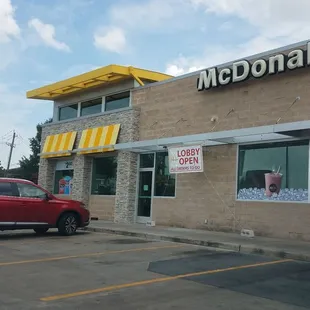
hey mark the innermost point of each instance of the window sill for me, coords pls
(161, 197)
(273, 201)
(87, 116)
(112, 196)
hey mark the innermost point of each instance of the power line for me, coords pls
(7, 135)
(11, 145)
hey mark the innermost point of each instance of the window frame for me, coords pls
(54, 173)
(113, 154)
(153, 169)
(103, 106)
(268, 201)
(116, 93)
(66, 106)
(175, 178)
(17, 184)
(87, 101)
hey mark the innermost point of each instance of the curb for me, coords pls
(246, 249)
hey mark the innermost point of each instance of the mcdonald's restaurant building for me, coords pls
(221, 149)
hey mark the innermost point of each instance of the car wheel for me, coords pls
(68, 224)
(40, 230)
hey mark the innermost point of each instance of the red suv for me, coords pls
(25, 205)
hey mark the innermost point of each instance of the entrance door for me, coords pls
(145, 196)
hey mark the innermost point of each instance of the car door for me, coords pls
(10, 210)
(35, 207)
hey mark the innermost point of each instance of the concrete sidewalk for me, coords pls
(281, 248)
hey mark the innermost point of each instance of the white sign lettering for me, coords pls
(185, 159)
(242, 70)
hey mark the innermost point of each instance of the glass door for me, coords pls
(145, 195)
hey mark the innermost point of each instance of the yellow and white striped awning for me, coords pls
(58, 145)
(95, 140)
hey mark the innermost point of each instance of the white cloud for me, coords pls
(217, 54)
(148, 13)
(273, 18)
(154, 16)
(47, 34)
(277, 23)
(8, 25)
(111, 39)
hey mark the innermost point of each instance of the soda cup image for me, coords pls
(273, 183)
(62, 184)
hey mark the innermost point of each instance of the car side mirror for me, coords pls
(47, 197)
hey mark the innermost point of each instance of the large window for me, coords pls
(117, 101)
(164, 182)
(104, 176)
(274, 171)
(91, 107)
(68, 112)
(94, 106)
(63, 177)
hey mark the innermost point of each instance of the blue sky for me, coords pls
(43, 41)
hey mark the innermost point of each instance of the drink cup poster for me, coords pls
(185, 159)
(65, 186)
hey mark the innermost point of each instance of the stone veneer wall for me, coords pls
(126, 187)
(127, 162)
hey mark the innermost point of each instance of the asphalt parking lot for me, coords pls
(102, 271)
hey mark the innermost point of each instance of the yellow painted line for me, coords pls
(49, 259)
(19, 240)
(158, 280)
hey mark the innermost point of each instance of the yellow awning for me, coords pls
(98, 77)
(58, 145)
(93, 140)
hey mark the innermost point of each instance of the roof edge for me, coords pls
(93, 75)
(229, 63)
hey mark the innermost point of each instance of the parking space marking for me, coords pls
(46, 239)
(158, 280)
(49, 259)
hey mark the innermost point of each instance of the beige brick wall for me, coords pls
(211, 196)
(177, 108)
(102, 207)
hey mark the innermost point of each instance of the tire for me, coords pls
(68, 224)
(41, 230)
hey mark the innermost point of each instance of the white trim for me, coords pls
(103, 104)
(257, 134)
(144, 219)
(272, 201)
(164, 197)
(130, 98)
(237, 174)
(309, 174)
(79, 111)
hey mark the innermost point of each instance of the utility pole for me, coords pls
(11, 145)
